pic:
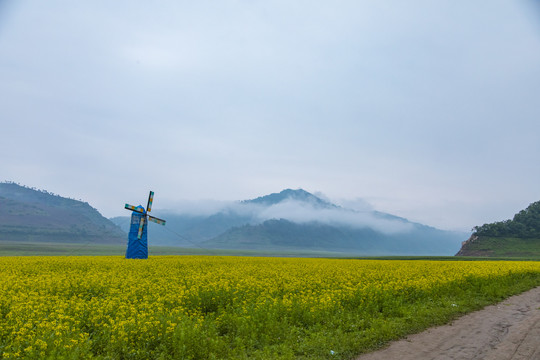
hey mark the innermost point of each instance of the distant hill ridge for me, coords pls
(290, 194)
(299, 220)
(28, 214)
(517, 237)
(290, 219)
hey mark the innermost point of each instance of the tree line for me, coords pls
(525, 224)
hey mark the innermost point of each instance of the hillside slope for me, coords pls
(284, 234)
(38, 216)
(519, 237)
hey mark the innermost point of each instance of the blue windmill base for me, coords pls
(137, 248)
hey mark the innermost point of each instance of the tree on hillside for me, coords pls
(525, 224)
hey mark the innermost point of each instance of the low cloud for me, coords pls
(197, 208)
(300, 212)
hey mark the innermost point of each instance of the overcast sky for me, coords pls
(428, 110)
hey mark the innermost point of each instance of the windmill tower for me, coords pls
(138, 235)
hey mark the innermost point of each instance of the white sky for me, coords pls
(428, 110)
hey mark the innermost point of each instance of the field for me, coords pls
(13, 248)
(211, 307)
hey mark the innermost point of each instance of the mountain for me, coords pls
(281, 234)
(38, 216)
(517, 237)
(299, 220)
(290, 195)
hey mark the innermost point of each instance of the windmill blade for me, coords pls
(134, 208)
(156, 220)
(150, 199)
(141, 226)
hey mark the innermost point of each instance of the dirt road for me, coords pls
(509, 330)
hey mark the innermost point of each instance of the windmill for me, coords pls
(137, 239)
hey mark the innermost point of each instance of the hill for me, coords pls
(299, 195)
(299, 220)
(519, 237)
(316, 236)
(32, 215)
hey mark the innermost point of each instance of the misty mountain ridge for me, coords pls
(297, 219)
(288, 220)
(299, 195)
(31, 215)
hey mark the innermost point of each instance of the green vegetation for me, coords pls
(519, 237)
(525, 225)
(204, 307)
(57, 249)
(31, 215)
(67, 249)
(503, 247)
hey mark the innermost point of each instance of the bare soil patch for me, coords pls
(509, 330)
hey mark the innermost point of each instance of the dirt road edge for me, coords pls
(509, 330)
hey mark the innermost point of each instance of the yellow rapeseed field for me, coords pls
(203, 307)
